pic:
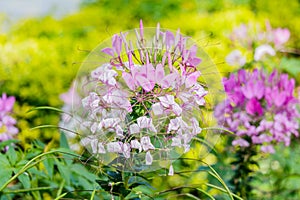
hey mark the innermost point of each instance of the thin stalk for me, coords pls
(243, 172)
(26, 190)
(93, 194)
(222, 190)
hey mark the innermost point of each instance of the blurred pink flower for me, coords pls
(7, 123)
(281, 36)
(235, 58)
(259, 107)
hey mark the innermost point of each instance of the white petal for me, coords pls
(262, 50)
(174, 124)
(119, 131)
(176, 109)
(94, 145)
(146, 143)
(136, 145)
(114, 147)
(171, 171)
(176, 142)
(101, 148)
(126, 150)
(149, 158)
(134, 128)
(143, 122)
(157, 109)
(85, 141)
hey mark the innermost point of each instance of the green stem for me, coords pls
(93, 194)
(26, 190)
(243, 172)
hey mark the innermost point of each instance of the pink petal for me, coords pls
(253, 107)
(146, 84)
(191, 79)
(170, 39)
(108, 51)
(159, 72)
(177, 109)
(240, 142)
(117, 44)
(167, 81)
(141, 29)
(167, 100)
(129, 80)
(151, 73)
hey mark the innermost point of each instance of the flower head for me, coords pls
(7, 122)
(259, 44)
(260, 109)
(138, 104)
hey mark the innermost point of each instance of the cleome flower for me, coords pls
(7, 123)
(260, 109)
(138, 105)
(258, 45)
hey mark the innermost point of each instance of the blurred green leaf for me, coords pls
(7, 143)
(25, 180)
(64, 171)
(291, 66)
(6, 170)
(12, 155)
(49, 165)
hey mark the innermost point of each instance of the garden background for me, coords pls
(40, 57)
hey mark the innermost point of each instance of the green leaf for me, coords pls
(5, 175)
(49, 108)
(291, 66)
(64, 171)
(12, 155)
(4, 162)
(25, 180)
(85, 184)
(63, 143)
(7, 143)
(82, 171)
(49, 165)
(37, 173)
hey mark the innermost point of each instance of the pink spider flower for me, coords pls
(138, 104)
(7, 122)
(260, 109)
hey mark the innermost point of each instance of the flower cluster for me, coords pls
(142, 105)
(261, 44)
(260, 109)
(7, 123)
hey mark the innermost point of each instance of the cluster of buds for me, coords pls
(141, 106)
